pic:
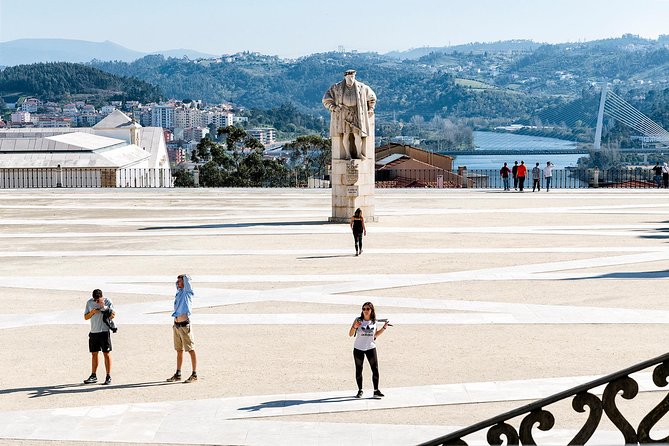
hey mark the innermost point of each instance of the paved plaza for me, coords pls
(496, 299)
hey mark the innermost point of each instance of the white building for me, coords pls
(116, 152)
(266, 135)
(20, 117)
(188, 117)
(107, 109)
(222, 119)
(162, 116)
(195, 133)
(31, 105)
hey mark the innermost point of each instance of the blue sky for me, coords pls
(291, 28)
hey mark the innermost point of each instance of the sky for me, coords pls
(293, 28)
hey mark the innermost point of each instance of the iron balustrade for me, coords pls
(385, 178)
(491, 178)
(535, 413)
(74, 177)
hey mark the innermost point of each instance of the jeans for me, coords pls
(548, 183)
(521, 183)
(536, 184)
(506, 183)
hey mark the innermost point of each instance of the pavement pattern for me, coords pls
(496, 299)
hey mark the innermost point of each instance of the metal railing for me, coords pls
(491, 179)
(74, 177)
(392, 178)
(535, 413)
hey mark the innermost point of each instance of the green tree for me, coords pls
(310, 154)
(238, 163)
(183, 178)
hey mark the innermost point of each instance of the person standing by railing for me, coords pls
(548, 174)
(514, 172)
(658, 174)
(536, 178)
(504, 173)
(665, 175)
(522, 173)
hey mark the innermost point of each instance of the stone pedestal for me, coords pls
(352, 188)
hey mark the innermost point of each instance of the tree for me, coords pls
(310, 153)
(183, 178)
(238, 163)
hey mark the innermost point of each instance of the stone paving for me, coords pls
(496, 299)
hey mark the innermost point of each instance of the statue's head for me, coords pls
(349, 76)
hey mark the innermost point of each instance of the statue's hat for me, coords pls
(347, 72)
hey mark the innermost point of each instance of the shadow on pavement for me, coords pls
(326, 257)
(61, 389)
(287, 403)
(238, 225)
(627, 275)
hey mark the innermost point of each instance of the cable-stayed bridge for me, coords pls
(617, 108)
(655, 139)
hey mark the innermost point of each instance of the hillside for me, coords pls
(405, 88)
(55, 81)
(502, 81)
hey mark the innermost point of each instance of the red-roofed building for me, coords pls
(399, 165)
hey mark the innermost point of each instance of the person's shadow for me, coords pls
(237, 225)
(326, 256)
(62, 389)
(287, 403)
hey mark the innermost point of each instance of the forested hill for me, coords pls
(491, 80)
(55, 81)
(404, 89)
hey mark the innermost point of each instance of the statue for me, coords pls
(351, 104)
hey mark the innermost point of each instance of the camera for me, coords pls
(106, 315)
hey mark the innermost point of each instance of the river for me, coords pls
(510, 141)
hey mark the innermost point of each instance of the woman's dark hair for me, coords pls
(358, 213)
(372, 315)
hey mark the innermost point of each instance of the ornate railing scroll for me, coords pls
(535, 415)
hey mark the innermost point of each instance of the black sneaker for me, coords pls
(378, 394)
(91, 379)
(107, 381)
(174, 378)
(359, 394)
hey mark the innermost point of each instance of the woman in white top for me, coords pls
(364, 329)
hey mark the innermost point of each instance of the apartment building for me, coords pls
(162, 116)
(20, 117)
(266, 135)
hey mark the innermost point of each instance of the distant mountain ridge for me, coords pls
(28, 51)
